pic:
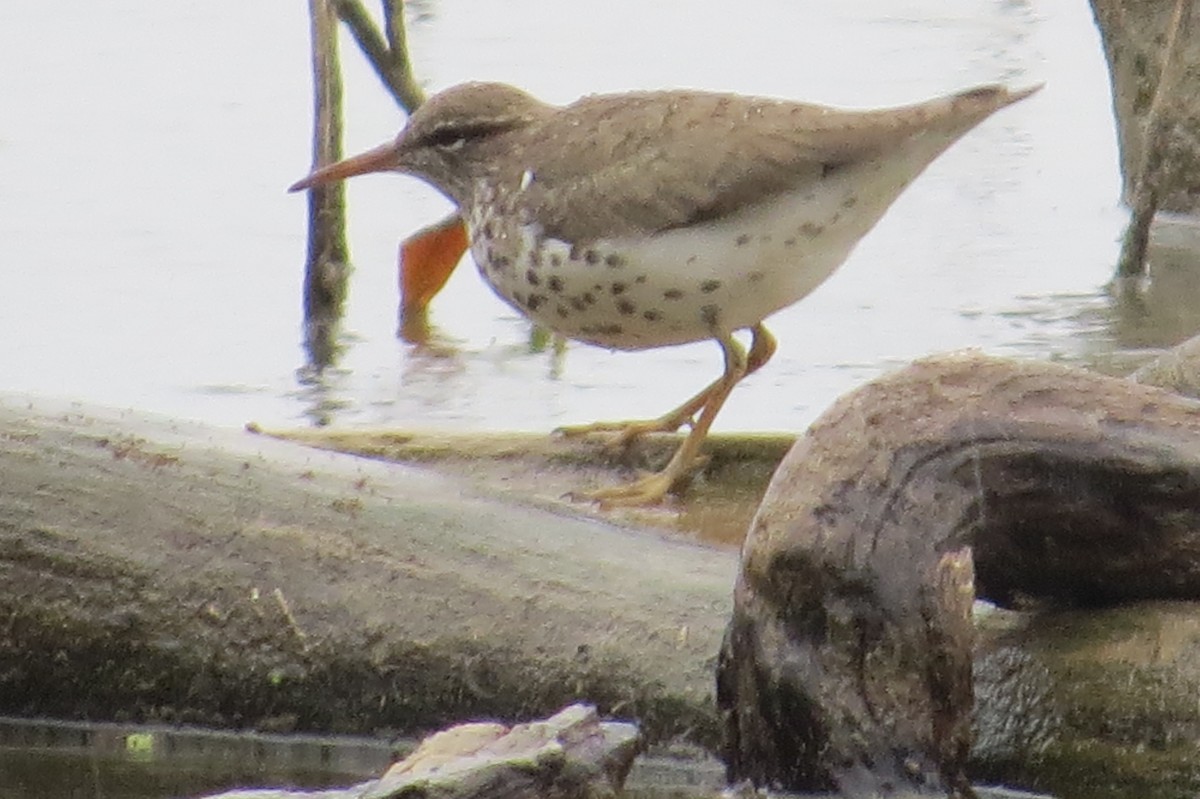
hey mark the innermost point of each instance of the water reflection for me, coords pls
(320, 387)
(40, 759)
(1165, 309)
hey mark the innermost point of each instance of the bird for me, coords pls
(648, 219)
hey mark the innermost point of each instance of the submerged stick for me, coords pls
(1149, 177)
(327, 265)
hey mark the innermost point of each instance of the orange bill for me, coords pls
(380, 159)
(426, 260)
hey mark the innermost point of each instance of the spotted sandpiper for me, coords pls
(647, 219)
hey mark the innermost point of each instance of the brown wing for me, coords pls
(642, 164)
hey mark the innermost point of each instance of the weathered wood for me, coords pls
(164, 571)
(1090, 701)
(848, 660)
(1177, 369)
(571, 755)
(1135, 36)
(1154, 64)
(1148, 177)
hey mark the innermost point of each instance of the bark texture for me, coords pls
(847, 664)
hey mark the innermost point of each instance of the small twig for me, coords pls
(291, 620)
(388, 57)
(393, 15)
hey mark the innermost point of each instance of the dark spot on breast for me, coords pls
(497, 262)
(710, 315)
(535, 256)
(592, 257)
(850, 202)
(576, 252)
(589, 298)
(691, 259)
(625, 306)
(532, 278)
(790, 241)
(672, 294)
(829, 169)
(742, 239)
(652, 315)
(611, 329)
(614, 260)
(618, 288)
(709, 286)
(489, 230)
(578, 304)
(562, 311)
(555, 260)
(640, 279)
(555, 283)
(535, 301)
(755, 276)
(811, 230)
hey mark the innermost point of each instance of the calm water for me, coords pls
(39, 760)
(153, 259)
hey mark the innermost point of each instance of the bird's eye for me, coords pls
(447, 139)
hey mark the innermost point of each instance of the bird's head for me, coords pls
(449, 140)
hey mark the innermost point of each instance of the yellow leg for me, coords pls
(762, 347)
(652, 488)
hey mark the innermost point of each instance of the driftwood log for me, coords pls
(1177, 369)
(158, 570)
(847, 664)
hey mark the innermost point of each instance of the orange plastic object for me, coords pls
(426, 260)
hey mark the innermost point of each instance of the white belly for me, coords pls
(687, 284)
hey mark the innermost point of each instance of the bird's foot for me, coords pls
(649, 489)
(625, 433)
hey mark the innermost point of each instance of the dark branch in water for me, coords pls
(1150, 175)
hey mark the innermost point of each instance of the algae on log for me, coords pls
(165, 571)
(847, 663)
(1091, 701)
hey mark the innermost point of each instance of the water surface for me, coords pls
(153, 259)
